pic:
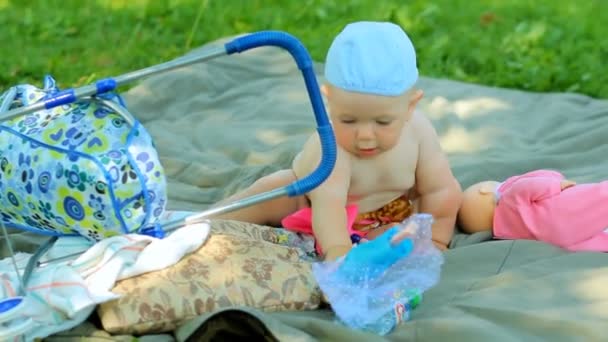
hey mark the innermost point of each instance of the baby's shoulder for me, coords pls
(311, 150)
(422, 132)
(421, 124)
(307, 159)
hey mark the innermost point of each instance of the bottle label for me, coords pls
(400, 312)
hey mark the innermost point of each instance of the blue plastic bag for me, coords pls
(377, 284)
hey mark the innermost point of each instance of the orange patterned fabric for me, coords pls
(393, 212)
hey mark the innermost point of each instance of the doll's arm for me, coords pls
(533, 189)
(439, 192)
(566, 183)
(543, 174)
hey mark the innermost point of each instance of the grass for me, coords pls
(547, 46)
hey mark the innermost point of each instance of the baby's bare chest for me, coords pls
(382, 179)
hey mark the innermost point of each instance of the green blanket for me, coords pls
(220, 125)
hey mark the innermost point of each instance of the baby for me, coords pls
(389, 162)
(539, 205)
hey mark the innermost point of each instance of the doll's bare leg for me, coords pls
(269, 212)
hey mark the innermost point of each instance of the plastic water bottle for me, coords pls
(401, 312)
(377, 284)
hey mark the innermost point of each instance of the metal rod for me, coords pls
(33, 261)
(9, 244)
(170, 65)
(61, 258)
(86, 90)
(238, 204)
(11, 114)
(91, 89)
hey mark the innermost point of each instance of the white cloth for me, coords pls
(62, 295)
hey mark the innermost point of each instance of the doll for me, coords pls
(539, 205)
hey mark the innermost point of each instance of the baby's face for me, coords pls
(366, 125)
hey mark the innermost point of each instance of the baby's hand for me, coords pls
(565, 184)
(370, 259)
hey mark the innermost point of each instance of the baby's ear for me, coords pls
(324, 90)
(415, 97)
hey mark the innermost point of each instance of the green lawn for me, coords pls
(558, 45)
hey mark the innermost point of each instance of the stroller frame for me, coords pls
(10, 307)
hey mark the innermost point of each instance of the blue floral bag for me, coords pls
(87, 168)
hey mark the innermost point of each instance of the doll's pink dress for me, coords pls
(533, 206)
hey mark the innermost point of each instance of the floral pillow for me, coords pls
(240, 264)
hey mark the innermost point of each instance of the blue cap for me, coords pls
(373, 58)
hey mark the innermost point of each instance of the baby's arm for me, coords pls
(439, 192)
(329, 223)
(328, 200)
